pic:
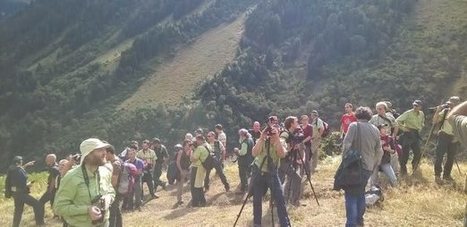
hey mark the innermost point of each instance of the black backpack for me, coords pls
(209, 162)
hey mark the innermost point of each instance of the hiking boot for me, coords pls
(154, 196)
(438, 180)
(206, 188)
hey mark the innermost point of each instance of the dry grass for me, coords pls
(417, 202)
(178, 77)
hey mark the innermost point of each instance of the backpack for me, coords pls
(172, 172)
(126, 180)
(350, 172)
(209, 162)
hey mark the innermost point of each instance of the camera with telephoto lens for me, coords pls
(99, 202)
(297, 137)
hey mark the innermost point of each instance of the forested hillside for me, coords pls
(67, 66)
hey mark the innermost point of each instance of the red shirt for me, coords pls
(308, 131)
(346, 120)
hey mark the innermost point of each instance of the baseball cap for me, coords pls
(315, 112)
(17, 159)
(417, 103)
(87, 146)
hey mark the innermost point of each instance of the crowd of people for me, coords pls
(96, 186)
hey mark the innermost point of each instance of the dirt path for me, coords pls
(180, 76)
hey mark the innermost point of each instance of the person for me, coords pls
(124, 154)
(388, 149)
(134, 200)
(255, 131)
(18, 187)
(198, 172)
(411, 122)
(52, 168)
(347, 118)
(149, 158)
(64, 166)
(318, 130)
(268, 150)
(86, 192)
(162, 157)
(365, 137)
(217, 150)
(189, 136)
(221, 136)
(115, 164)
(447, 143)
(382, 117)
(244, 158)
(457, 117)
(182, 159)
(308, 134)
(292, 164)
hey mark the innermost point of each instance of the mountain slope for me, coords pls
(179, 77)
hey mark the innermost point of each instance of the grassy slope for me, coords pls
(417, 202)
(178, 77)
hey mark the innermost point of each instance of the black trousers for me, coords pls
(410, 141)
(244, 172)
(219, 172)
(115, 216)
(21, 198)
(46, 197)
(157, 175)
(445, 146)
(197, 194)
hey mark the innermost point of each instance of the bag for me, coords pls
(209, 162)
(350, 171)
(126, 180)
(172, 173)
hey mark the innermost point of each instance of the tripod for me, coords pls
(308, 176)
(252, 181)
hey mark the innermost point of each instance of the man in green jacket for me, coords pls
(411, 123)
(86, 192)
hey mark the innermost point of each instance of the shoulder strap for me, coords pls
(444, 118)
(386, 119)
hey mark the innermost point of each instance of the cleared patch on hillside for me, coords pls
(177, 78)
(418, 201)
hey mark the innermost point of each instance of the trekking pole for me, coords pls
(271, 205)
(308, 177)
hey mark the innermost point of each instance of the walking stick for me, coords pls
(457, 164)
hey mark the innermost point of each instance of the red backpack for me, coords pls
(126, 180)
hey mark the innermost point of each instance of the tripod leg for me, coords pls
(241, 209)
(308, 177)
(271, 206)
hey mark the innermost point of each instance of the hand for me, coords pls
(274, 135)
(94, 213)
(236, 151)
(264, 134)
(29, 163)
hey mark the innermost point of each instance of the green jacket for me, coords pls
(73, 197)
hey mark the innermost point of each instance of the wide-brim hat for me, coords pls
(87, 146)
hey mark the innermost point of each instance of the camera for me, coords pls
(99, 202)
(297, 137)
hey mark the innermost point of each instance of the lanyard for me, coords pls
(86, 181)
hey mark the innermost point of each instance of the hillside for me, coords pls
(122, 70)
(179, 77)
(417, 202)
